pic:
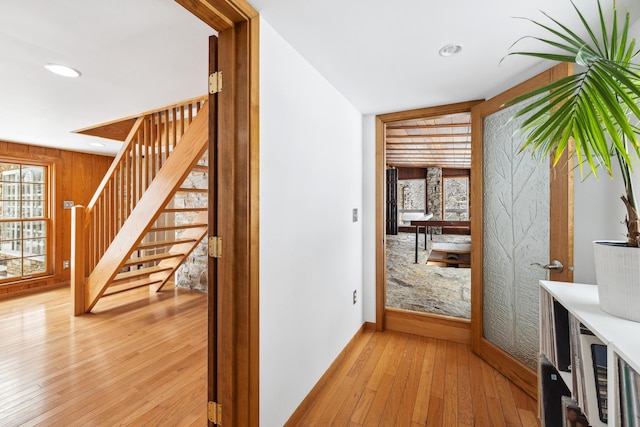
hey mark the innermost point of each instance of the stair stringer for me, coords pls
(164, 186)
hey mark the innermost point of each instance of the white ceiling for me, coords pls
(139, 55)
(383, 54)
(135, 55)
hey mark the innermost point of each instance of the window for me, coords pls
(456, 199)
(24, 221)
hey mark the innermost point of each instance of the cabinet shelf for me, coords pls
(620, 336)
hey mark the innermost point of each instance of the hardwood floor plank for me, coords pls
(405, 414)
(509, 410)
(478, 397)
(138, 352)
(331, 393)
(384, 388)
(465, 401)
(451, 387)
(435, 418)
(362, 407)
(436, 399)
(421, 406)
(398, 394)
(140, 359)
(356, 387)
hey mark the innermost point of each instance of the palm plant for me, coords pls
(595, 108)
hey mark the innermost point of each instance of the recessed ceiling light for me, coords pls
(97, 144)
(450, 50)
(63, 70)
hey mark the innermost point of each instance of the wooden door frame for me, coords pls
(561, 224)
(237, 24)
(433, 325)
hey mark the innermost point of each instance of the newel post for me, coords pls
(77, 260)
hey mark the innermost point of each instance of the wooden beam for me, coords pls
(433, 126)
(430, 135)
(428, 143)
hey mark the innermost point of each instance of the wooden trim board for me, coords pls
(237, 24)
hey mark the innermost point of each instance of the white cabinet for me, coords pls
(617, 338)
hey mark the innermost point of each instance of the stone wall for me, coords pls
(412, 195)
(434, 192)
(456, 201)
(193, 273)
(434, 195)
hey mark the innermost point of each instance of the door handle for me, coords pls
(555, 265)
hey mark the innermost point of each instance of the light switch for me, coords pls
(355, 215)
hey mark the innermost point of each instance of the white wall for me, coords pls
(599, 212)
(598, 215)
(369, 217)
(310, 250)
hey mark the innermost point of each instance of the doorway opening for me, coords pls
(428, 253)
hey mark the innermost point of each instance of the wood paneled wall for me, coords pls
(448, 172)
(412, 173)
(75, 177)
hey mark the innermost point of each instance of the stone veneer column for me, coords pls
(434, 195)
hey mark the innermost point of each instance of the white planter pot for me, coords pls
(618, 278)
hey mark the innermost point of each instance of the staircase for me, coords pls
(142, 222)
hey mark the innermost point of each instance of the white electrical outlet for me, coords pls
(355, 297)
(65, 264)
(68, 204)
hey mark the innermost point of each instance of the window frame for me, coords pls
(47, 218)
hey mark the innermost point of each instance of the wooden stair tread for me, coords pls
(151, 258)
(140, 272)
(129, 285)
(202, 168)
(161, 243)
(173, 210)
(176, 227)
(192, 190)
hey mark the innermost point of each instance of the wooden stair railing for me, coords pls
(120, 241)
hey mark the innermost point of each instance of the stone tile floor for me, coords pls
(426, 288)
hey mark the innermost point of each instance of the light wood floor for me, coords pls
(140, 359)
(395, 379)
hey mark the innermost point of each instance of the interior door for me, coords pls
(522, 220)
(212, 292)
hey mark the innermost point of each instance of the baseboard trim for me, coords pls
(296, 417)
(26, 287)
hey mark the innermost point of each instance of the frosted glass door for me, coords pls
(515, 237)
